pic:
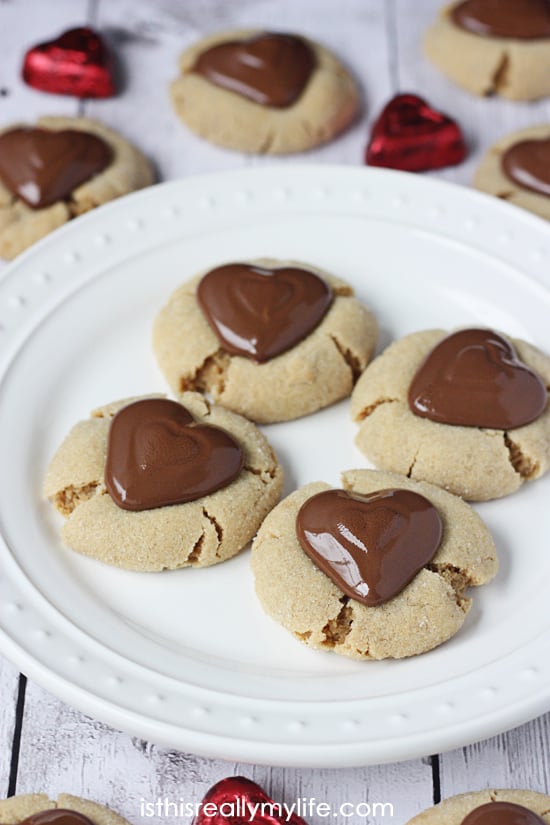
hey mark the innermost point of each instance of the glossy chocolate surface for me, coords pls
(502, 813)
(158, 455)
(528, 164)
(371, 546)
(42, 167)
(260, 313)
(269, 69)
(519, 19)
(474, 378)
(57, 816)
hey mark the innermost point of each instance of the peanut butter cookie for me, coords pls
(58, 170)
(272, 340)
(490, 807)
(151, 484)
(263, 92)
(379, 611)
(490, 446)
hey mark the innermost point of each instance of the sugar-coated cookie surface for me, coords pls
(490, 176)
(197, 533)
(17, 808)
(517, 69)
(319, 370)
(430, 610)
(327, 105)
(21, 226)
(452, 811)
(477, 464)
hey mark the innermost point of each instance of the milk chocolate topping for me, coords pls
(42, 166)
(474, 378)
(260, 313)
(371, 546)
(57, 816)
(520, 19)
(528, 164)
(157, 455)
(270, 69)
(502, 813)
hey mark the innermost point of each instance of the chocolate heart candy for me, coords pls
(75, 63)
(57, 816)
(371, 546)
(158, 455)
(519, 19)
(270, 69)
(528, 164)
(474, 378)
(502, 813)
(42, 166)
(260, 313)
(411, 136)
(237, 800)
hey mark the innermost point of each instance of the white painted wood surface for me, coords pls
(59, 749)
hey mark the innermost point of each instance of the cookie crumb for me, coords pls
(70, 497)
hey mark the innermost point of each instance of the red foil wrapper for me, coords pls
(411, 136)
(76, 63)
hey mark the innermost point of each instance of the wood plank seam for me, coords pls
(436, 779)
(17, 729)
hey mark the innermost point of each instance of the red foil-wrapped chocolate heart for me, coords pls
(237, 800)
(411, 136)
(76, 63)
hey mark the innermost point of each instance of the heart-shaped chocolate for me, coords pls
(75, 63)
(411, 136)
(502, 813)
(269, 69)
(237, 800)
(42, 167)
(474, 378)
(158, 455)
(519, 19)
(260, 313)
(57, 816)
(528, 164)
(371, 546)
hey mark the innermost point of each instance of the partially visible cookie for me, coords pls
(429, 610)
(517, 169)
(262, 92)
(476, 462)
(18, 809)
(83, 164)
(494, 48)
(116, 485)
(454, 810)
(265, 302)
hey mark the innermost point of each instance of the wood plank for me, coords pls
(62, 750)
(9, 681)
(517, 759)
(24, 24)
(483, 120)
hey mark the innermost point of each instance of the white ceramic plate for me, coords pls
(188, 659)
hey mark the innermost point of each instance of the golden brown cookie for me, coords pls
(324, 107)
(126, 170)
(510, 66)
(491, 177)
(197, 533)
(17, 808)
(431, 609)
(470, 461)
(317, 371)
(452, 811)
